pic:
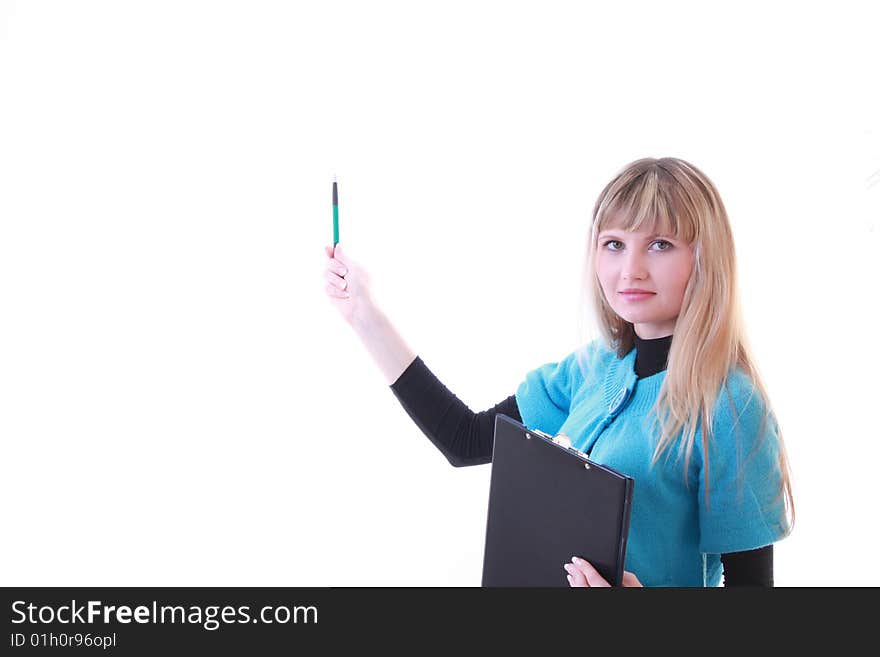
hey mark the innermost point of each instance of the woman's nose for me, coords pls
(634, 267)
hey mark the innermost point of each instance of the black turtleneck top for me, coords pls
(466, 438)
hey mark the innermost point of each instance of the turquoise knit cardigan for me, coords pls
(595, 398)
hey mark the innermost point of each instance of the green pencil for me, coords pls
(335, 214)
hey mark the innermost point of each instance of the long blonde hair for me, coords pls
(672, 196)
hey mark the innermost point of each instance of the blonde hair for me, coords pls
(671, 196)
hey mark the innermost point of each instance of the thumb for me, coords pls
(338, 254)
(629, 579)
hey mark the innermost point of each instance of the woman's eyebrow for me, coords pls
(650, 237)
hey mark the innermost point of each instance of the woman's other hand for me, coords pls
(582, 574)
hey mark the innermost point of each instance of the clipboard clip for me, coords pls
(539, 432)
(562, 440)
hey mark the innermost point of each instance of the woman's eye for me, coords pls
(666, 245)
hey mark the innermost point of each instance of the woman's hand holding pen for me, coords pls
(582, 574)
(347, 285)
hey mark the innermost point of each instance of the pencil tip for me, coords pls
(334, 177)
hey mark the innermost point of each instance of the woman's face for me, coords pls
(660, 265)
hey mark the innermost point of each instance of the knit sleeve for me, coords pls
(748, 568)
(746, 509)
(544, 397)
(462, 436)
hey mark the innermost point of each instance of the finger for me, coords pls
(575, 577)
(338, 254)
(334, 291)
(336, 281)
(594, 579)
(629, 579)
(329, 251)
(337, 267)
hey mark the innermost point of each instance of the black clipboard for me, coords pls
(547, 503)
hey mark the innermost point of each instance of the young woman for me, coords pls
(669, 394)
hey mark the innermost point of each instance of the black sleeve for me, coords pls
(462, 436)
(749, 568)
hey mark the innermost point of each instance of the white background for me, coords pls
(180, 404)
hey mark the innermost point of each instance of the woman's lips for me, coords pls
(636, 296)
